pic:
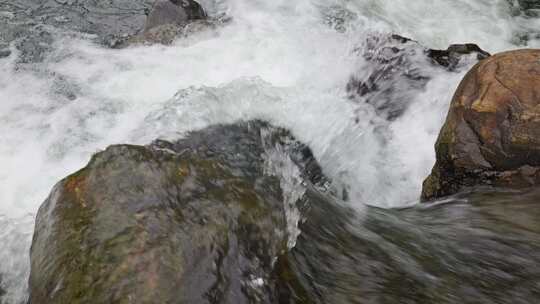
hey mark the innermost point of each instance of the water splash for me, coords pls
(284, 61)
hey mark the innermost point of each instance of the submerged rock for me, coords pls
(200, 220)
(492, 132)
(397, 68)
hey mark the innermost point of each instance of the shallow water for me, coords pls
(284, 61)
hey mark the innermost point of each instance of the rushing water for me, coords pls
(287, 62)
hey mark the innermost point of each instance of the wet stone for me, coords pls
(490, 136)
(102, 18)
(35, 46)
(398, 67)
(4, 53)
(451, 57)
(173, 222)
(2, 291)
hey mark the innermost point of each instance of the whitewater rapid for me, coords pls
(284, 61)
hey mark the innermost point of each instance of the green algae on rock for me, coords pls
(200, 220)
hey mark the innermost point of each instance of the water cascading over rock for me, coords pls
(200, 220)
(397, 68)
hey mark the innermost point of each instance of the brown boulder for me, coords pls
(492, 132)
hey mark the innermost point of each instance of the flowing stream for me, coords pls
(288, 62)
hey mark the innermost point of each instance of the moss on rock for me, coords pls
(195, 221)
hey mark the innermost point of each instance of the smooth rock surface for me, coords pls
(173, 12)
(492, 132)
(171, 19)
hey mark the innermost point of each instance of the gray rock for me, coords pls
(2, 291)
(398, 67)
(167, 19)
(165, 12)
(105, 18)
(31, 23)
(115, 23)
(4, 53)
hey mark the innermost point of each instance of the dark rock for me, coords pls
(104, 18)
(193, 9)
(529, 4)
(4, 50)
(451, 57)
(115, 23)
(390, 75)
(173, 12)
(200, 220)
(165, 12)
(396, 69)
(531, 8)
(168, 18)
(2, 291)
(492, 132)
(30, 23)
(5, 53)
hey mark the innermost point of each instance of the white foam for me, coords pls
(284, 43)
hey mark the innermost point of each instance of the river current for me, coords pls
(288, 62)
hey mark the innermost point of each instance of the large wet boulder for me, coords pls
(206, 219)
(396, 68)
(492, 132)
